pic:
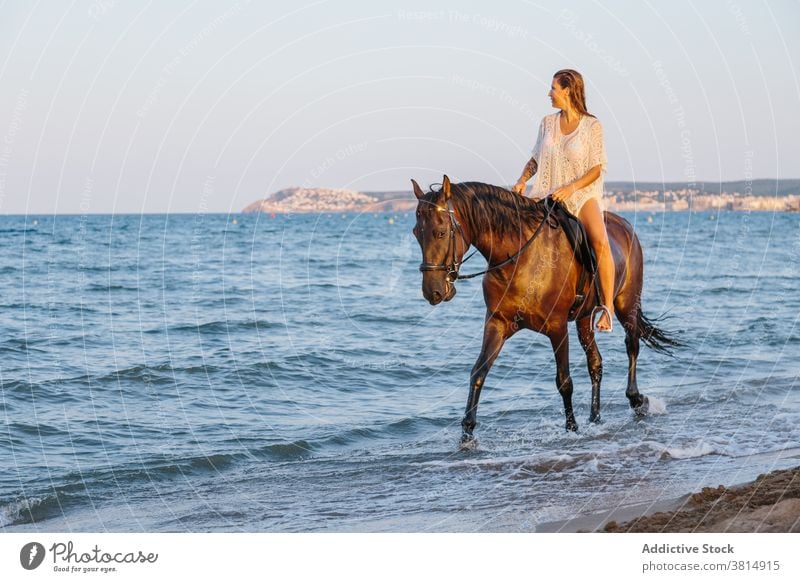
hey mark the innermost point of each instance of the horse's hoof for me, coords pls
(468, 442)
(572, 426)
(594, 418)
(642, 410)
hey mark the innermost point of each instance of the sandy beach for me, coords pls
(771, 503)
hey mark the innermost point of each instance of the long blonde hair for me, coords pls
(573, 80)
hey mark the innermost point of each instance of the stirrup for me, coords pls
(610, 319)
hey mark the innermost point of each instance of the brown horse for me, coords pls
(531, 282)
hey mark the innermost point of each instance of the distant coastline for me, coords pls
(756, 195)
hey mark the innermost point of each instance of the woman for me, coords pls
(568, 160)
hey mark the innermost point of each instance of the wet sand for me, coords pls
(771, 503)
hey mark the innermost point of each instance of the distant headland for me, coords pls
(754, 195)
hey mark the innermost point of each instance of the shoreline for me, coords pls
(770, 503)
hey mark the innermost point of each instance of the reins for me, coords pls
(453, 266)
(513, 257)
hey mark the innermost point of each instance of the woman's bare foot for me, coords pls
(605, 323)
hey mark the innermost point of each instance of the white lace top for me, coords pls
(562, 159)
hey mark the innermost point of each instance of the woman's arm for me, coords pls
(527, 172)
(567, 190)
(532, 166)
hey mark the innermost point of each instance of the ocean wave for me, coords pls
(104, 268)
(42, 504)
(773, 383)
(664, 452)
(140, 373)
(164, 466)
(181, 466)
(698, 449)
(518, 467)
(292, 451)
(19, 346)
(219, 326)
(389, 318)
(728, 291)
(39, 429)
(169, 373)
(345, 440)
(23, 510)
(362, 434)
(657, 405)
(109, 288)
(51, 391)
(102, 483)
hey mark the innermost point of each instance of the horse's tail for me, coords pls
(655, 337)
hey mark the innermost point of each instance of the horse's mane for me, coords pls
(491, 208)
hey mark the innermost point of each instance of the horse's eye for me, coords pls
(440, 234)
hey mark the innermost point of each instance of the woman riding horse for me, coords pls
(568, 161)
(532, 282)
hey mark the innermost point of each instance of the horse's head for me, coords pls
(442, 242)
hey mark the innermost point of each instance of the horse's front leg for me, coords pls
(559, 338)
(594, 362)
(495, 333)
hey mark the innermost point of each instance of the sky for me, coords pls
(131, 106)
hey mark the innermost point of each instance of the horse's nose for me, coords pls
(436, 297)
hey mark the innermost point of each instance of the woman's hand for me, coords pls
(519, 188)
(563, 193)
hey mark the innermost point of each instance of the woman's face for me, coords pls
(559, 97)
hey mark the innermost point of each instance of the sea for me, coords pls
(259, 373)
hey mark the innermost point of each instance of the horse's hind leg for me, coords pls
(594, 361)
(629, 316)
(494, 336)
(560, 341)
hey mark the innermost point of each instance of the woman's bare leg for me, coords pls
(592, 219)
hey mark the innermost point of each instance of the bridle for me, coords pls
(453, 266)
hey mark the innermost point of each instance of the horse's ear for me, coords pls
(446, 187)
(417, 190)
